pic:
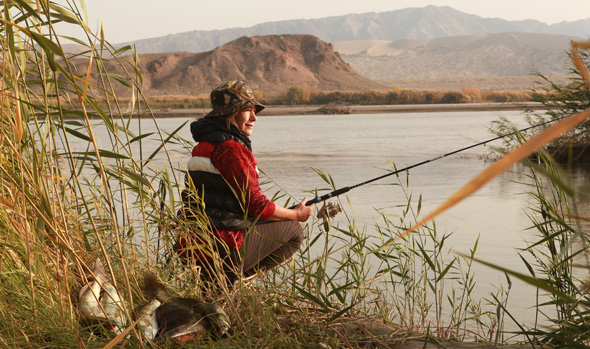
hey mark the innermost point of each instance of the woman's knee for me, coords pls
(298, 235)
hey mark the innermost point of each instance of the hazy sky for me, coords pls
(126, 20)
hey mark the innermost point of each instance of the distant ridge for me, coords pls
(414, 44)
(481, 55)
(410, 23)
(271, 64)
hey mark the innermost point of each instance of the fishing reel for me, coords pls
(328, 210)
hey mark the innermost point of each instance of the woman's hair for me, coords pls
(229, 119)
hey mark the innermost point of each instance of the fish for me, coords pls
(99, 301)
(214, 314)
(184, 320)
(328, 210)
(148, 322)
(180, 323)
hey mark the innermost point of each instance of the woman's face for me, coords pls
(244, 120)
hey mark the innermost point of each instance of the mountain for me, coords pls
(483, 55)
(406, 24)
(271, 64)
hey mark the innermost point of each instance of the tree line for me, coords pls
(306, 95)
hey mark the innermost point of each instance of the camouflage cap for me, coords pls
(231, 97)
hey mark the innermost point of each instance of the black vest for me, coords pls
(208, 192)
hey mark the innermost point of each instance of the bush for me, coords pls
(560, 101)
(454, 97)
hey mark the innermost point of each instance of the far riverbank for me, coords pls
(274, 110)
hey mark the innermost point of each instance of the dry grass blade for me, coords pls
(574, 216)
(578, 60)
(503, 164)
(121, 335)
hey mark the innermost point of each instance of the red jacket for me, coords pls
(230, 163)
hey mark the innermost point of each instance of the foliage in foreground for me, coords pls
(560, 255)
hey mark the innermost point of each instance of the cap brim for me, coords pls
(259, 107)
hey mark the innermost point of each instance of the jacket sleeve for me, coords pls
(237, 165)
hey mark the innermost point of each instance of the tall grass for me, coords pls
(67, 196)
(560, 254)
(556, 259)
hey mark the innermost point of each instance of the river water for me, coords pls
(355, 148)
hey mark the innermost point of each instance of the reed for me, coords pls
(350, 273)
(560, 254)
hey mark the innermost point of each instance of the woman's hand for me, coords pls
(299, 213)
(304, 212)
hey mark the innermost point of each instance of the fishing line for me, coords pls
(341, 191)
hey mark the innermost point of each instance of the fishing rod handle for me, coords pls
(325, 197)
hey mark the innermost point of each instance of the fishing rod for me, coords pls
(341, 191)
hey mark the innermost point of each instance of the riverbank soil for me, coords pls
(274, 110)
(563, 154)
(359, 332)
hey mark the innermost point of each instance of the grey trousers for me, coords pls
(266, 246)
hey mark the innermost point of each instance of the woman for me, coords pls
(251, 232)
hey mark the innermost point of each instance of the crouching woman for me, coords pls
(250, 232)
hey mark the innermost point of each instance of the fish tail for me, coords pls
(100, 272)
(154, 288)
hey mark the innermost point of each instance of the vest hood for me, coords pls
(214, 130)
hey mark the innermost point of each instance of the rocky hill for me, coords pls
(406, 24)
(271, 64)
